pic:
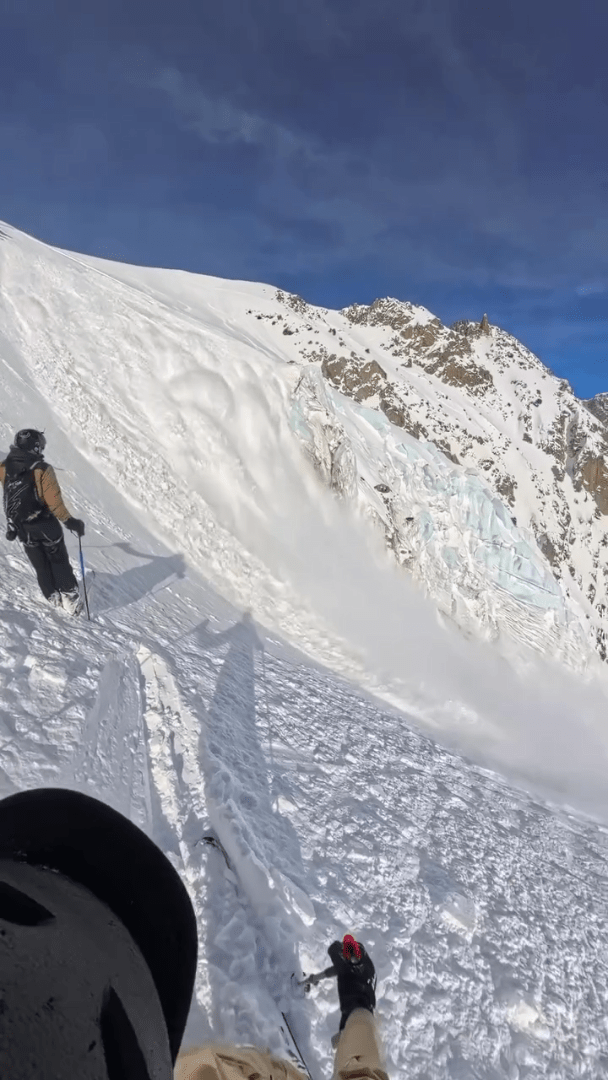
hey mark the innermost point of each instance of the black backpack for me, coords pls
(22, 504)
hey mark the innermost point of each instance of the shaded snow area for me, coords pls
(375, 754)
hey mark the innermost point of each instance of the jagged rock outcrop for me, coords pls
(599, 407)
(593, 476)
(490, 406)
(354, 377)
(455, 372)
(398, 314)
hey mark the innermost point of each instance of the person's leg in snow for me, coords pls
(358, 1051)
(43, 569)
(358, 1054)
(357, 1058)
(46, 550)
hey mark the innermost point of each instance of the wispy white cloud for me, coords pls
(215, 119)
(468, 188)
(458, 203)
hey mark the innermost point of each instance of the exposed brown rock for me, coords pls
(295, 302)
(356, 378)
(548, 549)
(593, 476)
(505, 486)
(397, 314)
(396, 412)
(423, 337)
(364, 379)
(446, 449)
(393, 411)
(466, 328)
(555, 443)
(451, 371)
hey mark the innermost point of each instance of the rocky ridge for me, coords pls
(488, 404)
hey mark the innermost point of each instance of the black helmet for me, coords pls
(31, 440)
(97, 943)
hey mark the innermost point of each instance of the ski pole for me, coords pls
(312, 980)
(84, 584)
(293, 1039)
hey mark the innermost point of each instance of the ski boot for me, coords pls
(72, 602)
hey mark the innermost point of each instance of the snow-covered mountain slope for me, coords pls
(210, 397)
(537, 453)
(239, 608)
(190, 408)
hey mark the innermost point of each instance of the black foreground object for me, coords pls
(96, 847)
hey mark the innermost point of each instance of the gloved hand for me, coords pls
(356, 976)
(11, 532)
(75, 525)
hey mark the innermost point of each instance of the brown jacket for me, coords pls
(48, 490)
(358, 1057)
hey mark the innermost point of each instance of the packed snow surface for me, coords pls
(257, 670)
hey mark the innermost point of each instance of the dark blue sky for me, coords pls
(440, 151)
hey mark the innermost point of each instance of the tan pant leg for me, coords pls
(219, 1062)
(358, 1053)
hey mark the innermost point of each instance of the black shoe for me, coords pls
(356, 976)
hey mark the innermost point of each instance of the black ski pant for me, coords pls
(44, 546)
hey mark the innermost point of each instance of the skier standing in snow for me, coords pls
(99, 942)
(34, 509)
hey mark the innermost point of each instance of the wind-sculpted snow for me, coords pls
(244, 609)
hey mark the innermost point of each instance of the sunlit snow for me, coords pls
(384, 751)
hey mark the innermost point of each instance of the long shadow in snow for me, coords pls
(109, 592)
(254, 918)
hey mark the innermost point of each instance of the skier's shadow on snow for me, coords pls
(112, 591)
(262, 844)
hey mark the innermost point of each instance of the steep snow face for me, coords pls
(479, 397)
(201, 415)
